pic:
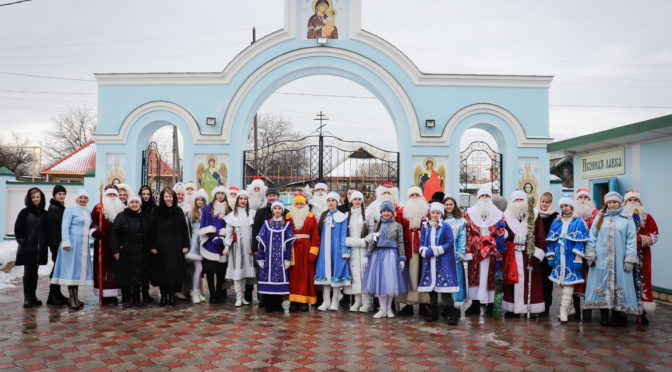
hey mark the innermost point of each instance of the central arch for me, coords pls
(297, 64)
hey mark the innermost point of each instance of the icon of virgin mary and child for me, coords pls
(323, 22)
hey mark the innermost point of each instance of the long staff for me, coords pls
(100, 250)
(530, 250)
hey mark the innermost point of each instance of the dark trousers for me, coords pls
(447, 299)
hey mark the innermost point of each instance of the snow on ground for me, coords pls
(12, 278)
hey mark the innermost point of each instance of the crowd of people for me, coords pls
(497, 257)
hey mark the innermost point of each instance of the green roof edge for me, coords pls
(4, 171)
(91, 173)
(622, 131)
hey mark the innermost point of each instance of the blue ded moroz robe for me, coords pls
(459, 227)
(439, 273)
(74, 267)
(275, 249)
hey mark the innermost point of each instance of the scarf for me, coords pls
(382, 238)
(550, 211)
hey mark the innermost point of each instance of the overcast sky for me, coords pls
(612, 60)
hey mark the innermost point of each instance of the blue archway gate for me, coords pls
(430, 112)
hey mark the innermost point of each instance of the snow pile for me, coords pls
(7, 256)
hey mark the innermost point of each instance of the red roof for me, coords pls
(165, 169)
(80, 162)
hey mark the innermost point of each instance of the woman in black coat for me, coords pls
(54, 219)
(126, 244)
(170, 242)
(30, 231)
(547, 213)
(147, 205)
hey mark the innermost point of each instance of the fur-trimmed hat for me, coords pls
(436, 206)
(82, 192)
(111, 190)
(484, 190)
(613, 196)
(518, 194)
(201, 194)
(414, 190)
(334, 195)
(219, 189)
(278, 203)
(356, 194)
(134, 197)
(127, 188)
(584, 192)
(566, 200)
(632, 194)
(178, 186)
(190, 185)
(321, 185)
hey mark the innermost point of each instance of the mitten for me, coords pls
(261, 264)
(628, 266)
(286, 265)
(429, 253)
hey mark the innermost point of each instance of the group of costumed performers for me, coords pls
(499, 258)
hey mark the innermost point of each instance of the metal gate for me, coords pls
(153, 168)
(480, 165)
(290, 165)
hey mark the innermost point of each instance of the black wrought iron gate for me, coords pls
(480, 165)
(289, 165)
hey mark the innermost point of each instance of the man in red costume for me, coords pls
(305, 249)
(516, 263)
(647, 235)
(481, 250)
(584, 208)
(100, 231)
(411, 217)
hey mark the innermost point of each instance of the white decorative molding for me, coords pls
(487, 108)
(358, 59)
(121, 137)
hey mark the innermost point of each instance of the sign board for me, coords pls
(603, 163)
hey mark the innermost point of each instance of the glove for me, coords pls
(375, 236)
(365, 262)
(429, 253)
(532, 261)
(286, 265)
(628, 266)
(646, 240)
(402, 264)
(468, 257)
(551, 262)
(261, 264)
(312, 258)
(98, 234)
(590, 259)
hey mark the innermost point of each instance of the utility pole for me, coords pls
(256, 143)
(321, 117)
(176, 155)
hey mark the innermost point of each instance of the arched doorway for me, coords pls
(480, 165)
(162, 160)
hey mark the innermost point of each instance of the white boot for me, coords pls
(195, 297)
(326, 298)
(242, 290)
(366, 303)
(357, 304)
(389, 311)
(382, 311)
(239, 293)
(200, 291)
(565, 302)
(335, 298)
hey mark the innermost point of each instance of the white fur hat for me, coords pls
(134, 197)
(241, 192)
(436, 206)
(484, 190)
(258, 182)
(321, 185)
(178, 186)
(201, 194)
(82, 192)
(220, 189)
(613, 196)
(566, 200)
(334, 195)
(189, 185)
(518, 194)
(111, 191)
(127, 188)
(356, 194)
(413, 190)
(278, 203)
(632, 194)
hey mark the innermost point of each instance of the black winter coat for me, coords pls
(30, 230)
(126, 238)
(169, 234)
(54, 220)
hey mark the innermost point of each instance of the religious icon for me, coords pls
(115, 173)
(323, 21)
(528, 180)
(428, 179)
(211, 173)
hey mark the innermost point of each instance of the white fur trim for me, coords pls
(222, 231)
(518, 194)
(436, 206)
(111, 191)
(339, 216)
(439, 250)
(485, 190)
(550, 255)
(91, 230)
(207, 230)
(468, 257)
(649, 307)
(355, 242)
(334, 195)
(219, 189)
(193, 257)
(414, 190)
(322, 186)
(356, 194)
(539, 253)
(578, 253)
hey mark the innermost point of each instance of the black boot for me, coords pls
(643, 320)
(620, 319)
(135, 297)
(72, 300)
(452, 316)
(576, 302)
(171, 298)
(27, 300)
(33, 290)
(249, 288)
(433, 313)
(604, 317)
(474, 309)
(126, 297)
(146, 298)
(164, 298)
(424, 310)
(55, 297)
(406, 311)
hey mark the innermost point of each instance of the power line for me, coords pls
(46, 77)
(16, 2)
(324, 95)
(40, 92)
(614, 106)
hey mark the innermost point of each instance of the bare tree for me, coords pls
(271, 130)
(19, 161)
(72, 130)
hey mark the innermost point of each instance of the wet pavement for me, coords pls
(222, 337)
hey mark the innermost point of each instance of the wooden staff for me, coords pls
(530, 250)
(100, 250)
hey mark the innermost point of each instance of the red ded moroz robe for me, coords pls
(110, 288)
(302, 268)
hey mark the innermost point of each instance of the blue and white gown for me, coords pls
(608, 285)
(439, 272)
(73, 267)
(331, 268)
(459, 227)
(275, 253)
(566, 249)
